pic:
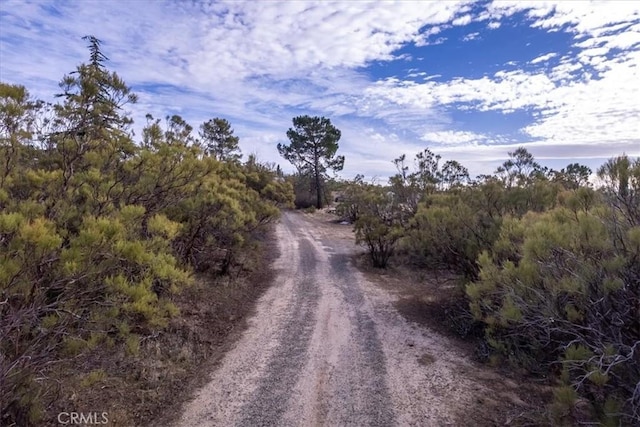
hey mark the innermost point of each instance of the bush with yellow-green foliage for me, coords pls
(378, 226)
(97, 232)
(560, 291)
(447, 220)
(551, 265)
(448, 231)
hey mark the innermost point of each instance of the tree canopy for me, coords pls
(219, 140)
(312, 149)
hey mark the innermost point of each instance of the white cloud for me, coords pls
(463, 20)
(426, 37)
(260, 63)
(508, 91)
(543, 58)
(579, 110)
(471, 36)
(228, 41)
(439, 40)
(256, 63)
(583, 17)
(450, 137)
(422, 39)
(574, 104)
(595, 111)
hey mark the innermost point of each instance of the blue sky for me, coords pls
(470, 80)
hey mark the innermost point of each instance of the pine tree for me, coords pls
(313, 147)
(219, 141)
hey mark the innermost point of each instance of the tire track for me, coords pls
(327, 348)
(365, 390)
(270, 399)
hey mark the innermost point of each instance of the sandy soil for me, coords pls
(327, 347)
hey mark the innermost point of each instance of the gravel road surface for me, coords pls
(327, 348)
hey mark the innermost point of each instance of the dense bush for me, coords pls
(97, 232)
(377, 225)
(560, 290)
(349, 200)
(552, 265)
(448, 232)
(303, 189)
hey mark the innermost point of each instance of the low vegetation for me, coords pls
(99, 235)
(550, 267)
(115, 252)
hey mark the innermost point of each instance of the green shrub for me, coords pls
(563, 288)
(98, 232)
(378, 226)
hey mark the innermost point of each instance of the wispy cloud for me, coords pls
(471, 36)
(450, 137)
(543, 58)
(261, 63)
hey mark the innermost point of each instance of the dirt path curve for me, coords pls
(326, 347)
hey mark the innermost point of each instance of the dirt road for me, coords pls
(326, 347)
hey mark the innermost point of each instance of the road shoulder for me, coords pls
(426, 357)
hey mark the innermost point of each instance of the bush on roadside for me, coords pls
(377, 226)
(98, 233)
(560, 291)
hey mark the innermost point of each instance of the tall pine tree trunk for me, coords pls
(318, 191)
